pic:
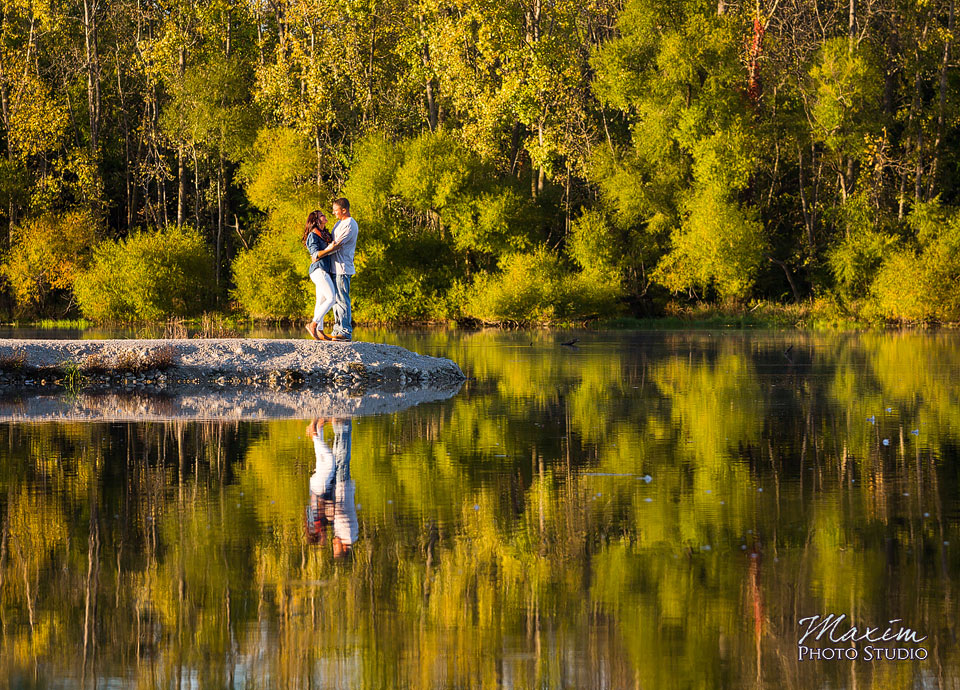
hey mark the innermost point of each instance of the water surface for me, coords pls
(641, 510)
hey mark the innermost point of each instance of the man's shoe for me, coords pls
(341, 338)
(312, 330)
(321, 335)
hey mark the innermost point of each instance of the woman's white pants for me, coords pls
(325, 294)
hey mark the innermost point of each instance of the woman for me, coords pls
(316, 238)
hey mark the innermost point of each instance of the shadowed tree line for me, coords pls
(525, 161)
(507, 535)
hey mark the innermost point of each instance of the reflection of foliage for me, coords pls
(507, 532)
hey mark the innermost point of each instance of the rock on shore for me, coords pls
(224, 362)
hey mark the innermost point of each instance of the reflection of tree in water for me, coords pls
(179, 551)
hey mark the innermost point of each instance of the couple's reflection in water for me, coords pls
(332, 506)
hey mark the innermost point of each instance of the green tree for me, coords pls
(147, 276)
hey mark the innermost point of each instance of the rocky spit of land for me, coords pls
(230, 378)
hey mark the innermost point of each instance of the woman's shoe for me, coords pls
(312, 330)
(322, 336)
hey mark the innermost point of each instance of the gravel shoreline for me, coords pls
(226, 362)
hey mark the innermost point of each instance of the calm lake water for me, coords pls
(653, 510)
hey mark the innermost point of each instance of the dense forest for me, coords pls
(506, 161)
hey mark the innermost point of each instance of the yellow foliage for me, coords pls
(38, 122)
(47, 253)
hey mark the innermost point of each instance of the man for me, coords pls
(342, 250)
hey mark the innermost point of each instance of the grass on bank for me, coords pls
(814, 314)
(818, 314)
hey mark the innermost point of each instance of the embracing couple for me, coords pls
(331, 268)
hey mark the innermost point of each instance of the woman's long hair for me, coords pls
(313, 222)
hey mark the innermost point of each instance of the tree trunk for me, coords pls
(125, 124)
(316, 140)
(181, 188)
(944, 64)
(93, 71)
(432, 116)
(852, 25)
(918, 172)
(220, 210)
(541, 174)
(5, 104)
(181, 165)
(432, 111)
(259, 22)
(786, 272)
(902, 202)
(804, 206)
(368, 108)
(515, 147)
(226, 242)
(162, 200)
(196, 187)
(226, 48)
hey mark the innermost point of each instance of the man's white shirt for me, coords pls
(345, 235)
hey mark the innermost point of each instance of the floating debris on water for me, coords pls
(647, 478)
(872, 419)
(886, 442)
(915, 432)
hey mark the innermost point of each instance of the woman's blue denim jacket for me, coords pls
(314, 245)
